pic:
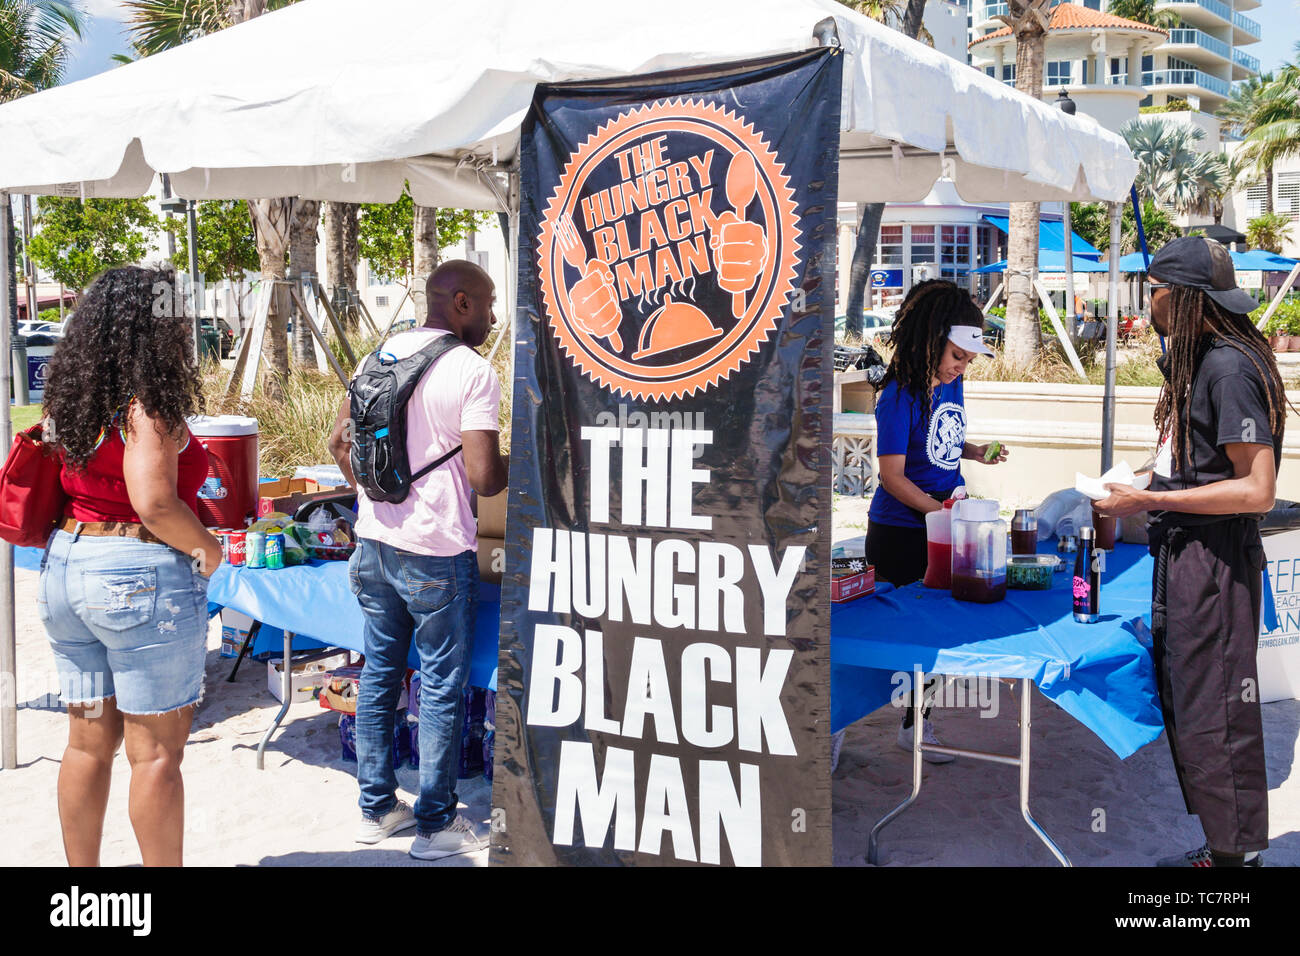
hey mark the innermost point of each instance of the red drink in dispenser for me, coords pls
(938, 535)
(979, 561)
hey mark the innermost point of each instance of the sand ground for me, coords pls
(301, 810)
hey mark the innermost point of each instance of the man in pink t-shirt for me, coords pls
(415, 571)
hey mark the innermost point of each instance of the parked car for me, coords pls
(36, 327)
(875, 324)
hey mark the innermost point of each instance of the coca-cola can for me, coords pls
(233, 544)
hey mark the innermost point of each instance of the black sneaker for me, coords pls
(1202, 856)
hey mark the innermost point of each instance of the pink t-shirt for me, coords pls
(459, 392)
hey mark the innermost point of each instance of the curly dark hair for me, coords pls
(124, 340)
(920, 333)
(1197, 318)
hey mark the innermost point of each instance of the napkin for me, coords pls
(1121, 474)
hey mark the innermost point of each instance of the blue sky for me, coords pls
(1279, 20)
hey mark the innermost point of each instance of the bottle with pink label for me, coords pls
(1087, 578)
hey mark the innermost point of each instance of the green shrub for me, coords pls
(1044, 322)
(1173, 106)
(1284, 321)
(49, 315)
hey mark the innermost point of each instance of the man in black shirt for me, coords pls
(1220, 417)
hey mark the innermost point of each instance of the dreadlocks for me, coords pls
(921, 330)
(1196, 319)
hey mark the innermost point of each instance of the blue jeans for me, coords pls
(432, 600)
(126, 618)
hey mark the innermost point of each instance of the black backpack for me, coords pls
(378, 395)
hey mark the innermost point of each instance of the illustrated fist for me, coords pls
(740, 248)
(595, 304)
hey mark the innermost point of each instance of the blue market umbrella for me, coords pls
(1051, 261)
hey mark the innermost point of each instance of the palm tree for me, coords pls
(1275, 132)
(1239, 173)
(1143, 11)
(1242, 114)
(339, 223)
(1028, 20)
(1270, 231)
(1173, 172)
(906, 15)
(425, 247)
(35, 40)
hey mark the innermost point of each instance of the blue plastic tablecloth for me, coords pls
(1099, 673)
(315, 603)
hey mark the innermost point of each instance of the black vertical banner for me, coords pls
(664, 683)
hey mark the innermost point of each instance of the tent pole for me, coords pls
(1070, 318)
(1112, 332)
(1281, 293)
(512, 272)
(8, 643)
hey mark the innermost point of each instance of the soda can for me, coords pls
(235, 546)
(255, 549)
(275, 550)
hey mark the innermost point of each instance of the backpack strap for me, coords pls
(430, 354)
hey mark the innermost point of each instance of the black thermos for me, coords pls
(1087, 578)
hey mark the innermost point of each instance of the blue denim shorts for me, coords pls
(125, 618)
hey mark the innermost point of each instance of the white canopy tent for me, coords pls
(329, 99)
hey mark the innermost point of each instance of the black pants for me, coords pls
(900, 556)
(1205, 608)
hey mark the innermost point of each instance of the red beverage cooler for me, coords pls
(228, 498)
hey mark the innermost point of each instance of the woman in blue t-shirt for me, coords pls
(921, 434)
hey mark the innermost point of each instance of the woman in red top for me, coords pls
(123, 589)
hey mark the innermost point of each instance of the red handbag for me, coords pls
(31, 492)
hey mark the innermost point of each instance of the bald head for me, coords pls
(460, 296)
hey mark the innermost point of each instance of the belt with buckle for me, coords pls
(109, 529)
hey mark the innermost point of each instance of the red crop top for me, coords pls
(99, 492)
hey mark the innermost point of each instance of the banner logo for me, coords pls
(668, 250)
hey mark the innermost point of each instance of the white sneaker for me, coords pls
(401, 817)
(927, 737)
(458, 836)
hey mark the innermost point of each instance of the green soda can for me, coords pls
(274, 550)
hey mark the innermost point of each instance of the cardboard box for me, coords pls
(492, 514)
(288, 494)
(306, 679)
(339, 691)
(234, 629)
(491, 559)
(849, 587)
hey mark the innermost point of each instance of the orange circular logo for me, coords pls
(668, 250)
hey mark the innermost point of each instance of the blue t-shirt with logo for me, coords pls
(930, 434)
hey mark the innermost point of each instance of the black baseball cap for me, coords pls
(1200, 263)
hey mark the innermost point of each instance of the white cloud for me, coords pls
(107, 9)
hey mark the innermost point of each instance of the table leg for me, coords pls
(286, 691)
(249, 638)
(918, 708)
(1026, 690)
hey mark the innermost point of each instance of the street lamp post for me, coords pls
(1067, 106)
(187, 206)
